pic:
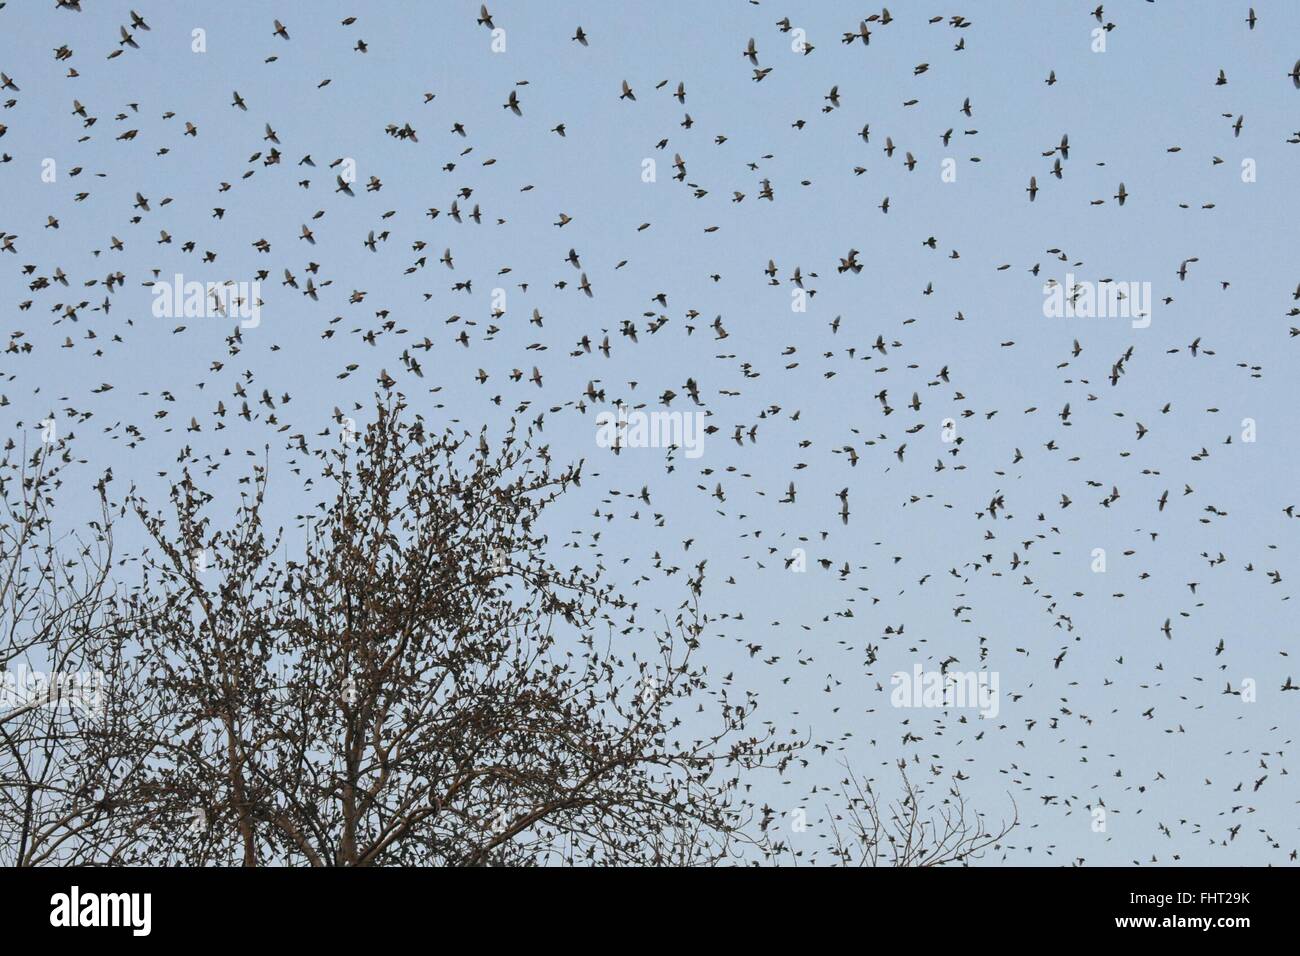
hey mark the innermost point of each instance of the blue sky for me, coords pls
(1125, 109)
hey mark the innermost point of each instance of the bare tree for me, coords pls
(909, 830)
(59, 769)
(419, 683)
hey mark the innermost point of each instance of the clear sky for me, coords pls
(1146, 112)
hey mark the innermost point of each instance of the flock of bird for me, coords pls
(861, 503)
